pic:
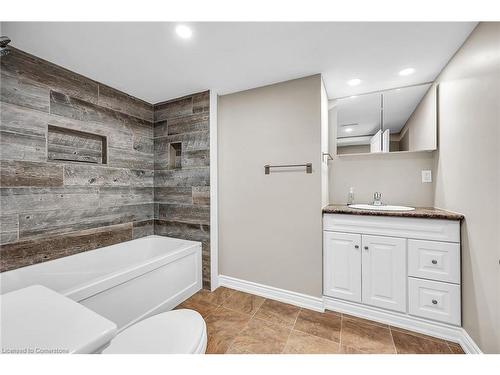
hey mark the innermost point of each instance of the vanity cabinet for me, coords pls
(400, 264)
(367, 269)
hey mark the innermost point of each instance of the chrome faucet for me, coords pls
(377, 199)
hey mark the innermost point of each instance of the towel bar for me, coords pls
(267, 167)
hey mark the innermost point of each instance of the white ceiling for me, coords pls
(149, 61)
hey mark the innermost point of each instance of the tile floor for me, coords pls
(242, 323)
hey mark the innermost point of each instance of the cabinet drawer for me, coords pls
(434, 260)
(434, 300)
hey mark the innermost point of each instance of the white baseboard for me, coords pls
(282, 295)
(426, 327)
(215, 283)
(468, 344)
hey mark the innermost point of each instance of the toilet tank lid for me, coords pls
(38, 320)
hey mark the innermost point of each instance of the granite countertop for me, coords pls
(420, 212)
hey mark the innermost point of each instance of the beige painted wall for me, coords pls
(397, 176)
(468, 174)
(270, 225)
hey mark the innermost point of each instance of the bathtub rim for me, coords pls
(101, 283)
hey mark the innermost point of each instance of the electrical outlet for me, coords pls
(426, 176)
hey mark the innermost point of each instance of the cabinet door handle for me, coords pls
(366, 247)
(434, 261)
(356, 246)
(434, 302)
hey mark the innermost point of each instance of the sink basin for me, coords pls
(380, 208)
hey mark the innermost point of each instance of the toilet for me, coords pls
(172, 332)
(37, 320)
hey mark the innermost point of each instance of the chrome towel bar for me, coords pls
(267, 167)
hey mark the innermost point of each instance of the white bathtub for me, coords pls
(125, 282)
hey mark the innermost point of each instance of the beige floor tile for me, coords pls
(348, 350)
(415, 334)
(223, 325)
(232, 330)
(326, 325)
(410, 344)
(261, 337)
(278, 312)
(203, 307)
(217, 297)
(302, 343)
(233, 350)
(244, 302)
(455, 348)
(366, 337)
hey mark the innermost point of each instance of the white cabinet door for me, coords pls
(342, 261)
(384, 272)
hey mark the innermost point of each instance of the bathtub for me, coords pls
(126, 282)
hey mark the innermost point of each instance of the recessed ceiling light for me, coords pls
(406, 72)
(184, 31)
(348, 130)
(354, 82)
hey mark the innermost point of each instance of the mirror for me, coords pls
(410, 118)
(397, 120)
(359, 121)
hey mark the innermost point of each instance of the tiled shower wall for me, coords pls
(182, 172)
(51, 207)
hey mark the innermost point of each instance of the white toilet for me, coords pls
(172, 332)
(38, 320)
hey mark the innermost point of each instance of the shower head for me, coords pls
(4, 41)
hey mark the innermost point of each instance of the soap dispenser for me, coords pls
(350, 197)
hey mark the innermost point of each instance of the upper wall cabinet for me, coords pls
(397, 120)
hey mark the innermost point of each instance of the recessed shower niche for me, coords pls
(73, 145)
(174, 155)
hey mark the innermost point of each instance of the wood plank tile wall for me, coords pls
(52, 209)
(182, 187)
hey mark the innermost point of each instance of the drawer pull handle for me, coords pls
(434, 261)
(434, 302)
(356, 246)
